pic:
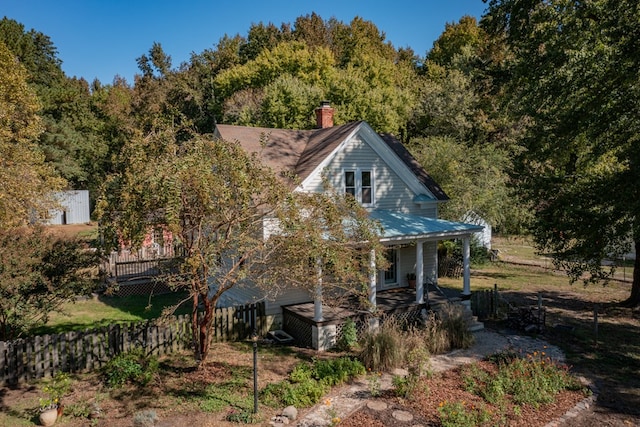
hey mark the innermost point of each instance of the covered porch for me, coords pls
(318, 325)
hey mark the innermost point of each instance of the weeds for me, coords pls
(133, 366)
(461, 414)
(533, 380)
(308, 382)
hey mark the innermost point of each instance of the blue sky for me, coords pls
(103, 38)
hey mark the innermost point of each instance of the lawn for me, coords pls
(102, 310)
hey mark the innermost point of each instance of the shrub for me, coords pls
(404, 386)
(131, 366)
(456, 325)
(308, 382)
(349, 338)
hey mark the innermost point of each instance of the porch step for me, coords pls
(476, 325)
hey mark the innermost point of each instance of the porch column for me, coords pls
(419, 272)
(466, 261)
(372, 280)
(317, 298)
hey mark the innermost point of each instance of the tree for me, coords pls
(38, 273)
(575, 78)
(475, 177)
(27, 182)
(239, 224)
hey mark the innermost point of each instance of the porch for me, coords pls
(298, 319)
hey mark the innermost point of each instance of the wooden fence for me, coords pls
(488, 303)
(77, 351)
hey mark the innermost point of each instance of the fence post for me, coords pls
(595, 325)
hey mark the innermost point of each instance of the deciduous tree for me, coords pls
(575, 77)
(38, 273)
(26, 181)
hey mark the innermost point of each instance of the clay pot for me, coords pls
(48, 417)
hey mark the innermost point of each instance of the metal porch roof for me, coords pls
(400, 227)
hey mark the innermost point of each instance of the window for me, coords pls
(360, 185)
(366, 188)
(350, 183)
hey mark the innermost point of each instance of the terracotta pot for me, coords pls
(49, 417)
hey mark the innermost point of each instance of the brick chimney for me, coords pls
(324, 115)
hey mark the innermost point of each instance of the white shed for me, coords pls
(75, 208)
(483, 237)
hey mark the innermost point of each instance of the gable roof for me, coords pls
(302, 151)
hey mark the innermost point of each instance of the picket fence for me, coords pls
(77, 351)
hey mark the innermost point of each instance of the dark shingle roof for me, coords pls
(302, 151)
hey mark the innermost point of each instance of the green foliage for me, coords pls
(575, 83)
(55, 389)
(460, 414)
(349, 338)
(404, 386)
(38, 273)
(533, 380)
(308, 382)
(373, 378)
(244, 417)
(474, 177)
(133, 366)
(27, 181)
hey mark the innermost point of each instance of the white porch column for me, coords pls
(419, 272)
(317, 298)
(373, 274)
(466, 262)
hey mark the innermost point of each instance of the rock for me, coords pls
(376, 405)
(403, 416)
(290, 412)
(279, 420)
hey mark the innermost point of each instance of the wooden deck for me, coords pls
(388, 302)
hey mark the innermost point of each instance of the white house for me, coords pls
(384, 177)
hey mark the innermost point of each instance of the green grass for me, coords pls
(105, 310)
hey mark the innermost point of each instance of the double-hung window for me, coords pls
(359, 183)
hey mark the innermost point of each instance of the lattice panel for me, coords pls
(298, 329)
(406, 317)
(142, 288)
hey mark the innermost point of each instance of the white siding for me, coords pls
(75, 208)
(390, 191)
(290, 296)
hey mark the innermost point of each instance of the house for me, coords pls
(383, 176)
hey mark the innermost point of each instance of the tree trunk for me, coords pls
(634, 298)
(205, 328)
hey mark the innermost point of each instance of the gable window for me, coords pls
(360, 185)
